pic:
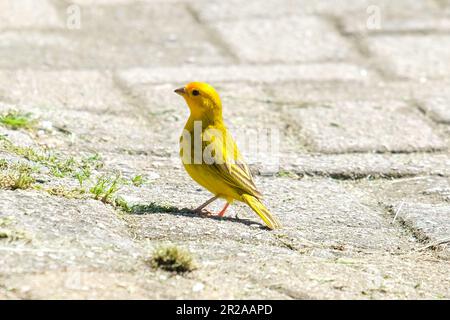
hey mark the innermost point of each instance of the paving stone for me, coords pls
(302, 216)
(249, 73)
(437, 108)
(36, 49)
(425, 189)
(115, 37)
(72, 235)
(365, 127)
(421, 204)
(291, 39)
(355, 166)
(226, 10)
(28, 13)
(77, 90)
(428, 221)
(299, 93)
(81, 284)
(81, 130)
(310, 277)
(75, 131)
(380, 91)
(340, 166)
(412, 56)
(306, 270)
(408, 22)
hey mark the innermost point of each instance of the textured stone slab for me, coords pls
(291, 39)
(428, 221)
(309, 210)
(298, 93)
(412, 56)
(421, 204)
(280, 274)
(249, 73)
(52, 90)
(150, 33)
(422, 189)
(365, 127)
(226, 10)
(115, 37)
(340, 166)
(35, 49)
(146, 284)
(437, 108)
(28, 13)
(102, 132)
(339, 239)
(354, 166)
(409, 22)
(72, 234)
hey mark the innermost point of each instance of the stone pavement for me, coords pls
(358, 91)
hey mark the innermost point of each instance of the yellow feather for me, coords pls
(261, 211)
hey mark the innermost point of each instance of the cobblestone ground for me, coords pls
(358, 91)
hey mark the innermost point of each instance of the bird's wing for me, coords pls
(228, 162)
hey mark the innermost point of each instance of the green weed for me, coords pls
(137, 180)
(16, 120)
(15, 176)
(106, 187)
(172, 258)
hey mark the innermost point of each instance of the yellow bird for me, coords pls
(211, 157)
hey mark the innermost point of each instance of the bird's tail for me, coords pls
(261, 210)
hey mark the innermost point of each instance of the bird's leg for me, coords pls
(221, 213)
(201, 209)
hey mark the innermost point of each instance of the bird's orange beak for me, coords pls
(180, 91)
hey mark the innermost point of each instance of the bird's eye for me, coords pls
(195, 92)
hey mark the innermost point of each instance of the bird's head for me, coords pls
(202, 99)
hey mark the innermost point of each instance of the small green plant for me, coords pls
(137, 180)
(24, 181)
(16, 176)
(5, 221)
(13, 182)
(60, 191)
(286, 173)
(83, 175)
(59, 166)
(122, 204)
(3, 164)
(105, 188)
(16, 120)
(94, 161)
(12, 235)
(7, 232)
(172, 259)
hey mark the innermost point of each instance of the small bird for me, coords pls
(220, 167)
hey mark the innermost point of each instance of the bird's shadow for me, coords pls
(142, 209)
